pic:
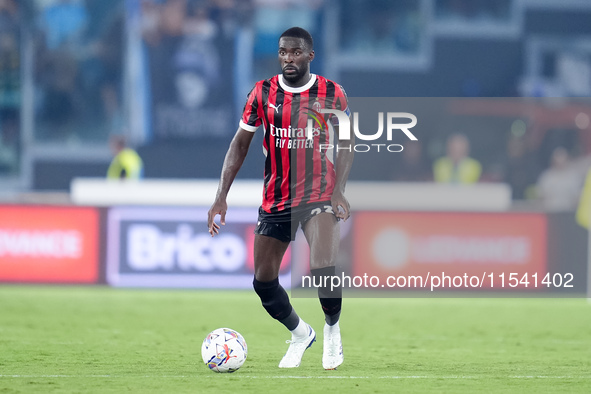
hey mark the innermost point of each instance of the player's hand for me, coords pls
(218, 208)
(340, 206)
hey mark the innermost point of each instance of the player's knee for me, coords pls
(322, 256)
(265, 289)
(265, 274)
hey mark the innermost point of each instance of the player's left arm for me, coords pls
(345, 153)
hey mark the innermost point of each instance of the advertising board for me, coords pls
(49, 244)
(171, 247)
(490, 249)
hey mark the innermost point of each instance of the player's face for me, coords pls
(294, 59)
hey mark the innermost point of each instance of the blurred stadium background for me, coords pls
(171, 76)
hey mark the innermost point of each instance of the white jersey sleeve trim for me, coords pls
(247, 127)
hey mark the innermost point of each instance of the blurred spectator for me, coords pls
(381, 27)
(64, 22)
(150, 22)
(272, 17)
(79, 68)
(559, 186)
(62, 25)
(58, 74)
(520, 169)
(189, 61)
(9, 55)
(457, 166)
(196, 60)
(9, 142)
(231, 14)
(109, 52)
(412, 166)
(126, 163)
(10, 87)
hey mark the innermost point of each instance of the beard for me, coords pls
(298, 75)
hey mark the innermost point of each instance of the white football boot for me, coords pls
(297, 347)
(332, 355)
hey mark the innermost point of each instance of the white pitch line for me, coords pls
(410, 377)
(294, 377)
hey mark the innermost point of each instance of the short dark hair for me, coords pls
(298, 32)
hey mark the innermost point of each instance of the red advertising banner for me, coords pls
(48, 244)
(489, 246)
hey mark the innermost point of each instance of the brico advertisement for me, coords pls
(171, 247)
(48, 244)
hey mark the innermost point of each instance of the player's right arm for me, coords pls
(232, 163)
(250, 121)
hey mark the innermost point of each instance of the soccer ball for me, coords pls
(224, 350)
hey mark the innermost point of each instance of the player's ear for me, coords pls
(311, 55)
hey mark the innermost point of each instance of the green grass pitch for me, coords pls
(104, 340)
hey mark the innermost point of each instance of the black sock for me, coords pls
(332, 310)
(276, 302)
(331, 299)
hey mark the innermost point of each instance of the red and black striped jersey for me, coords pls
(297, 170)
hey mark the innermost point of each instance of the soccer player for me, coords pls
(303, 185)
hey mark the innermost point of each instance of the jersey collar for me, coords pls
(301, 89)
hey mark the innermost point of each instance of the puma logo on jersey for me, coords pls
(276, 108)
